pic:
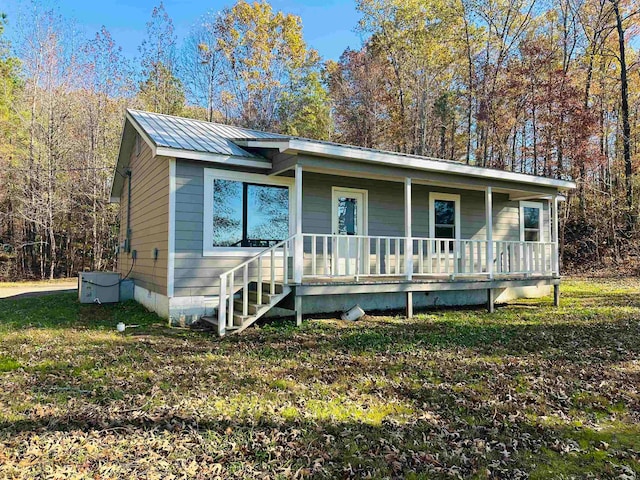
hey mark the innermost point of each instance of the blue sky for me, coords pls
(328, 24)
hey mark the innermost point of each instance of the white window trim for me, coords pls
(540, 207)
(334, 207)
(433, 196)
(211, 174)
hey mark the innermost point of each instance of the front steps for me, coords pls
(254, 310)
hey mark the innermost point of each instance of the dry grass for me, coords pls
(530, 392)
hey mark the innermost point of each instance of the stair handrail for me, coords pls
(225, 315)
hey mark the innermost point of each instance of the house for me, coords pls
(228, 223)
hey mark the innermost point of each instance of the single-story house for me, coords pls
(228, 223)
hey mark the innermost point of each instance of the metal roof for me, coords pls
(195, 135)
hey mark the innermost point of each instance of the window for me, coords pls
(244, 210)
(444, 216)
(138, 145)
(531, 221)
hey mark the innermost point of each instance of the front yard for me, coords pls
(528, 392)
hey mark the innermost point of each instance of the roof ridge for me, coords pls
(207, 122)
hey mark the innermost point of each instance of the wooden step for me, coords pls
(239, 320)
(266, 287)
(252, 307)
(267, 298)
(212, 320)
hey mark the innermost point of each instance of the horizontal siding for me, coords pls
(199, 275)
(149, 220)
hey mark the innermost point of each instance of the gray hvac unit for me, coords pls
(99, 287)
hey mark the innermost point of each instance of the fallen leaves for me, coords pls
(536, 392)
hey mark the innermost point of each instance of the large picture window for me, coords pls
(249, 215)
(244, 211)
(531, 221)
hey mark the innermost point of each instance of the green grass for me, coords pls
(531, 391)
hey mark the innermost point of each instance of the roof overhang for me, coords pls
(346, 152)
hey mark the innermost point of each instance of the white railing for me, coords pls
(353, 255)
(524, 257)
(377, 256)
(254, 270)
(436, 256)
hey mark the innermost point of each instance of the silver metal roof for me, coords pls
(195, 135)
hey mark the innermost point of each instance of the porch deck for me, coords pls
(316, 265)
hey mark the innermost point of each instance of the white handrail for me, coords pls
(227, 282)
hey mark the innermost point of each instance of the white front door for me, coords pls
(349, 219)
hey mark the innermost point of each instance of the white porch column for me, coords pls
(556, 264)
(488, 201)
(408, 242)
(298, 260)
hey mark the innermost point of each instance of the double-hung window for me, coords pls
(244, 211)
(444, 216)
(530, 221)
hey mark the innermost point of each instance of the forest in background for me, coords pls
(533, 86)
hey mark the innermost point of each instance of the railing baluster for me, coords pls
(285, 264)
(420, 257)
(313, 256)
(472, 258)
(463, 256)
(439, 247)
(232, 287)
(335, 267)
(367, 255)
(325, 253)
(387, 254)
(430, 246)
(245, 290)
(222, 305)
(378, 256)
(272, 285)
(259, 290)
(357, 239)
(397, 247)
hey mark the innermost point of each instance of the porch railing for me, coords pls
(379, 256)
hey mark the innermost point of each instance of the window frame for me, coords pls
(540, 206)
(448, 197)
(211, 174)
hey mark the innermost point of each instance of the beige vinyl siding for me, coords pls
(198, 275)
(149, 220)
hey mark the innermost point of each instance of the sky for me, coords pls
(328, 25)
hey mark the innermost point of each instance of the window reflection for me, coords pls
(347, 216)
(249, 215)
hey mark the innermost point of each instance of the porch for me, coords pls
(350, 261)
(315, 265)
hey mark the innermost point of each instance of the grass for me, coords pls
(528, 392)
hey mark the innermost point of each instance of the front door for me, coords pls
(349, 220)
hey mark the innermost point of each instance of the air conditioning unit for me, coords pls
(99, 287)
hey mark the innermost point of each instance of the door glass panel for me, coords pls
(227, 213)
(445, 218)
(445, 211)
(532, 235)
(347, 216)
(445, 232)
(531, 217)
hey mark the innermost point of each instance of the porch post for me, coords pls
(556, 264)
(298, 254)
(408, 241)
(488, 201)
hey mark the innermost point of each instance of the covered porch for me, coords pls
(349, 255)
